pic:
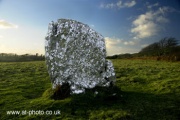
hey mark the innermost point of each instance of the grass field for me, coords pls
(146, 90)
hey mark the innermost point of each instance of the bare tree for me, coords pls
(162, 48)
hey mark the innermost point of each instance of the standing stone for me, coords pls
(75, 54)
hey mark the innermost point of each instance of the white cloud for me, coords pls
(149, 23)
(129, 43)
(116, 46)
(153, 5)
(5, 25)
(135, 38)
(112, 42)
(112, 45)
(119, 4)
(143, 18)
(109, 5)
(130, 4)
(162, 19)
(144, 28)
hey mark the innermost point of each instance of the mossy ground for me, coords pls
(145, 90)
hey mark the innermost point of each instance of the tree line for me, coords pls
(11, 57)
(167, 48)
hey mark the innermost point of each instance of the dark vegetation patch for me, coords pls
(61, 91)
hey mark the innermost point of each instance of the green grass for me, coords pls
(146, 90)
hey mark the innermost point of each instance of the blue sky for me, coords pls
(127, 25)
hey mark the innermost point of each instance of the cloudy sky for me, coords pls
(127, 25)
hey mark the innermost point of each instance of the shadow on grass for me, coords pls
(109, 103)
(112, 103)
